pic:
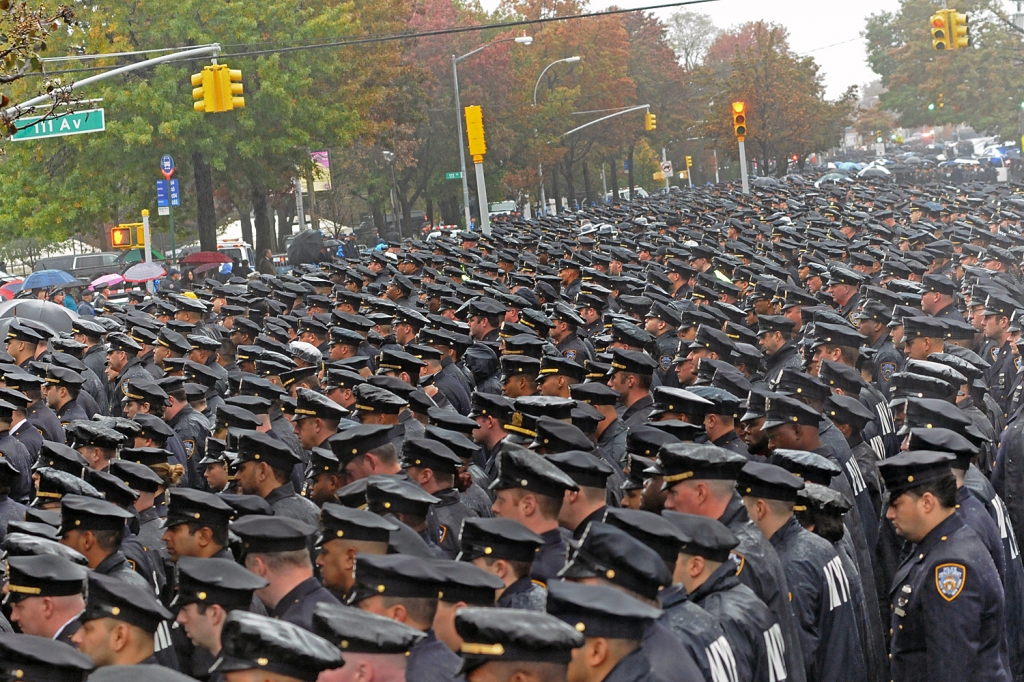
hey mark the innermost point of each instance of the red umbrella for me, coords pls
(200, 257)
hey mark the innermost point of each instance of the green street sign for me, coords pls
(457, 175)
(77, 123)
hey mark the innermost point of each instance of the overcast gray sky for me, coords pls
(830, 31)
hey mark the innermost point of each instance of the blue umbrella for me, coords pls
(44, 279)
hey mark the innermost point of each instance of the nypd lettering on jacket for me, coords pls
(838, 584)
(776, 653)
(722, 661)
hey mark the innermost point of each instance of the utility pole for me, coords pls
(147, 248)
(743, 168)
(668, 178)
(298, 204)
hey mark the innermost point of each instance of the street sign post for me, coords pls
(171, 196)
(457, 175)
(77, 123)
(163, 206)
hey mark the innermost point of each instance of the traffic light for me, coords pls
(940, 30)
(231, 88)
(739, 119)
(475, 131)
(689, 161)
(650, 121)
(941, 103)
(878, 136)
(204, 91)
(959, 38)
(217, 87)
(121, 237)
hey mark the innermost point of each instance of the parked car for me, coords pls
(84, 266)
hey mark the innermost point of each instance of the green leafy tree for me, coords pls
(981, 85)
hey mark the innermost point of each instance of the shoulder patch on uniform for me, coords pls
(1018, 362)
(190, 447)
(539, 583)
(994, 352)
(570, 354)
(131, 562)
(124, 386)
(887, 369)
(739, 560)
(949, 580)
(665, 362)
(442, 532)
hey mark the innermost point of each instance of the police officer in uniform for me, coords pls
(55, 579)
(704, 570)
(663, 321)
(276, 548)
(999, 376)
(946, 601)
(123, 365)
(819, 587)
(714, 471)
(524, 475)
(564, 334)
(265, 467)
(507, 549)
(62, 387)
(104, 522)
(433, 466)
(382, 582)
(253, 642)
(127, 614)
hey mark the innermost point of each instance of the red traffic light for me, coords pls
(938, 22)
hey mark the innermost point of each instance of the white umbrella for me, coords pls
(144, 272)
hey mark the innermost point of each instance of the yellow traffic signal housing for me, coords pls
(204, 91)
(650, 121)
(739, 119)
(231, 88)
(219, 89)
(959, 38)
(941, 30)
(121, 237)
(475, 132)
(689, 161)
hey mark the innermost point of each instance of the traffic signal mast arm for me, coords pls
(642, 107)
(17, 110)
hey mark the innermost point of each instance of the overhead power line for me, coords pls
(414, 35)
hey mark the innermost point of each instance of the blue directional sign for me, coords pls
(166, 164)
(175, 196)
(161, 193)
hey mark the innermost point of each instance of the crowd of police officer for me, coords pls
(699, 437)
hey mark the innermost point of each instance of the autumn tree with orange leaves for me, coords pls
(788, 116)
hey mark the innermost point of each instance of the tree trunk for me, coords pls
(430, 209)
(206, 212)
(629, 175)
(570, 181)
(449, 210)
(586, 184)
(554, 188)
(379, 221)
(285, 215)
(264, 232)
(615, 180)
(243, 216)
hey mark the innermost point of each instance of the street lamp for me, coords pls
(389, 158)
(522, 40)
(540, 166)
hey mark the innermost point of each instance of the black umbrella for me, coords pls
(53, 315)
(306, 247)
